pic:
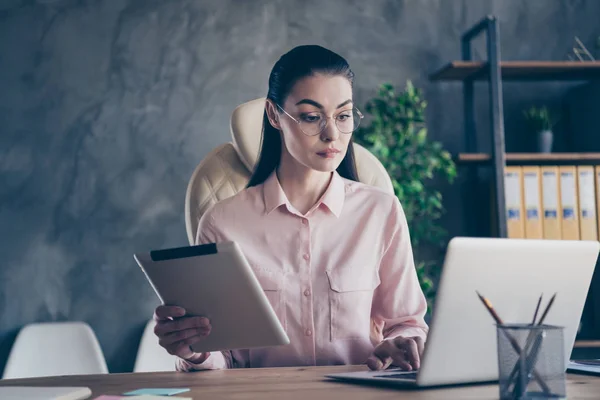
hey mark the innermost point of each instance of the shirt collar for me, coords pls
(273, 194)
(335, 194)
(333, 198)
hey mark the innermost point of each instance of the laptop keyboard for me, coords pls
(402, 375)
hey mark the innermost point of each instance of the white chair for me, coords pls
(150, 356)
(55, 348)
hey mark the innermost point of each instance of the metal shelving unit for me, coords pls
(494, 71)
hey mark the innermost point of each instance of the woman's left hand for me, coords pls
(402, 352)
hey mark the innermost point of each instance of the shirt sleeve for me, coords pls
(216, 360)
(399, 305)
(207, 233)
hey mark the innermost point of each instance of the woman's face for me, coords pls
(311, 100)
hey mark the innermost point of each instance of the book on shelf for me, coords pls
(551, 221)
(587, 203)
(569, 201)
(552, 202)
(513, 184)
(532, 202)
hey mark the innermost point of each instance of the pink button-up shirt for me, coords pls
(340, 278)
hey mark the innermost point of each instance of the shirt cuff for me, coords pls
(406, 331)
(216, 360)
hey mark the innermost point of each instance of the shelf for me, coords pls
(532, 158)
(520, 71)
(587, 344)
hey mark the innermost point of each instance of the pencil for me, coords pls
(546, 310)
(537, 308)
(490, 308)
(529, 337)
(512, 340)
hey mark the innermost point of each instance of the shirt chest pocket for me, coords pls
(273, 284)
(350, 299)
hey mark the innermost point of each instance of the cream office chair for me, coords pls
(55, 348)
(226, 170)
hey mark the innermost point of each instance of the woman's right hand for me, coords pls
(176, 332)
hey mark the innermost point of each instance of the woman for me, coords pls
(333, 255)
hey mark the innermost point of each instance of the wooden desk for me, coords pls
(283, 383)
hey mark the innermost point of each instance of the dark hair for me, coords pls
(298, 63)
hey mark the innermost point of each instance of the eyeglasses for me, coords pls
(313, 123)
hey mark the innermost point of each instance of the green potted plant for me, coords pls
(541, 122)
(397, 135)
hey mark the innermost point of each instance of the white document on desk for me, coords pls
(44, 393)
(584, 366)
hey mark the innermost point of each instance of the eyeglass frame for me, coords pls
(327, 121)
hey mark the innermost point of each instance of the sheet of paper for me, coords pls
(44, 393)
(105, 397)
(588, 366)
(157, 391)
(152, 397)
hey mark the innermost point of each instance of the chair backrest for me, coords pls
(55, 348)
(227, 169)
(151, 357)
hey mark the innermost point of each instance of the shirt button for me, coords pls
(308, 332)
(307, 292)
(306, 257)
(304, 222)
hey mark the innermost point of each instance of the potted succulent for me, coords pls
(541, 123)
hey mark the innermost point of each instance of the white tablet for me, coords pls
(216, 281)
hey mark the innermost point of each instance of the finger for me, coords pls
(165, 313)
(182, 348)
(184, 352)
(420, 344)
(399, 360)
(409, 351)
(169, 327)
(384, 349)
(375, 363)
(381, 358)
(163, 328)
(177, 336)
(197, 358)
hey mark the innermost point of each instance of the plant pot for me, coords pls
(545, 139)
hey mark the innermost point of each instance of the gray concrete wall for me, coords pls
(107, 106)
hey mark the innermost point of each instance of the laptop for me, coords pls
(511, 273)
